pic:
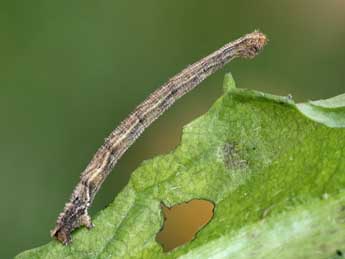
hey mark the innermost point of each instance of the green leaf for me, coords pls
(330, 112)
(274, 170)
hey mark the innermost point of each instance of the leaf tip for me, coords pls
(228, 83)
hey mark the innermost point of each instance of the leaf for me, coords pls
(274, 170)
(330, 112)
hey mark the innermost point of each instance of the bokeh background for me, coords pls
(70, 71)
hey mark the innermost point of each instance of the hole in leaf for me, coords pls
(183, 221)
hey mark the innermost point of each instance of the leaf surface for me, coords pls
(274, 170)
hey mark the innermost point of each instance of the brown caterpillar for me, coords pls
(75, 213)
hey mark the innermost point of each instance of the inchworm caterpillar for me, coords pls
(75, 213)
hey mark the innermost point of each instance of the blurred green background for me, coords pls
(70, 71)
